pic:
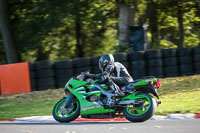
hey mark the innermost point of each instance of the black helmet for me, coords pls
(105, 60)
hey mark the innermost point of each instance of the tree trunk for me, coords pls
(42, 54)
(8, 38)
(127, 17)
(197, 6)
(181, 28)
(153, 25)
(79, 43)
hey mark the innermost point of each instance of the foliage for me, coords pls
(47, 29)
(169, 27)
(66, 29)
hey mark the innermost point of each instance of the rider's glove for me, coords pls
(86, 74)
(104, 78)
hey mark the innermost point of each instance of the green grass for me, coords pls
(17, 109)
(183, 102)
(30, 104)
(178, 95)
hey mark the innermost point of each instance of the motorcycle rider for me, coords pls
(113, 73)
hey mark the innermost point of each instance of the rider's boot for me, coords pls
(117, 91)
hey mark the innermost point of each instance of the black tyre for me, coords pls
(32, 74)
(81, 62)
(169, 53)
(95, 60)
(171, 71)
(138, 69)
(197, 66)
(197, 72)
(138, 75)
(42, 73)
(64, 115)
(31, 66)
(136, 56)
(126, 64)
(142, 113)
(43, 64)
(46, 87)
(63, 64)
(170, 61)
(196, 50)
(81, 69)
(184, 51)
(155, 63)
(33, 84)
(197, 58)
(120, 57)
(62, 73)
(185, 60)
(153, 54)
(96, 70)
(139, 63)
(186, 70)
(61, 82)
(155, 71)
(171, 75)
(46, 83)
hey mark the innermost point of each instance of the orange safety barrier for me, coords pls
(14, 78)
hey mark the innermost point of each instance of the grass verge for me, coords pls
(178, 95)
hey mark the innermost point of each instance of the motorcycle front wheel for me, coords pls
(142, 111)
(66, 114)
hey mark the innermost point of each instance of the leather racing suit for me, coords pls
(115, 75)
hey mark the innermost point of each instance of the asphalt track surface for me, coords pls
(150, 126)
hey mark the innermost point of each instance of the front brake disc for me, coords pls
(64, 110)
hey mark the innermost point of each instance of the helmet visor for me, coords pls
(102, 66)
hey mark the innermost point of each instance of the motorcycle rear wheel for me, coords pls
(142, 113)
(64, 115)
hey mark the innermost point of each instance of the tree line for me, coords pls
(46, 29)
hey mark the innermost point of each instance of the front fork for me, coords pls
(69, 98)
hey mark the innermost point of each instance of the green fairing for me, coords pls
(131, 96)
(95, 81)
(87, 107)
(103, 85)
(144, 82)
(79, 92)
(75, 83)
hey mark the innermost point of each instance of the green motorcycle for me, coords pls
(95, 100)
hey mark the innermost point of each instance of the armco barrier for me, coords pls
(159, 63)
(14, 78)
